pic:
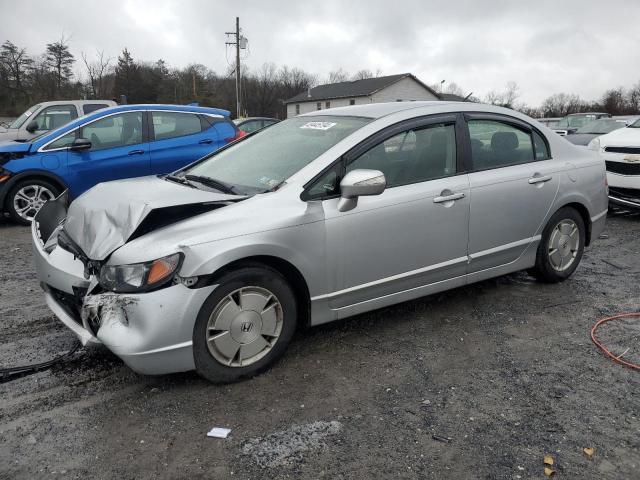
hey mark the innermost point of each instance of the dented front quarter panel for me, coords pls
(151, 332)
(275, 224)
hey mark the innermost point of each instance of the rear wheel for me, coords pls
(27, 197)
(245, 325)
(561, 246)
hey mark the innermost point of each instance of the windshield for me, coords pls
(635, 124)
(264, 160)
(17, 123)
(579, 120)
(601, 126)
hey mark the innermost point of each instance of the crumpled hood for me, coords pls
(105, 217)
(9, 146)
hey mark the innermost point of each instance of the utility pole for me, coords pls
(240, 42)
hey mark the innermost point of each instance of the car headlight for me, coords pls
(594, 144)
(140, 277)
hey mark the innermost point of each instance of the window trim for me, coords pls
(384, 134)
(508, 120)
(145, 139)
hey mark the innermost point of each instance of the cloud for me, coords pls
(545, 46)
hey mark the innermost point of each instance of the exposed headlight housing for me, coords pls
(594, 144)
(140, 277)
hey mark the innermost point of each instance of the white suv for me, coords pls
(621, 151)
(50, 115)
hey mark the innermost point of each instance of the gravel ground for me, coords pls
(478, 382)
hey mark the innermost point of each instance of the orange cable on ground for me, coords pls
(615, 358)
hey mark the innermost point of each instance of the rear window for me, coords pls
(175, 124)
(92, 107)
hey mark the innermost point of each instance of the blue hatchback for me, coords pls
(110, 144)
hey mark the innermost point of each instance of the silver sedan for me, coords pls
(314, 219)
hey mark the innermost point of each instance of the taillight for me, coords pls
(239, 134)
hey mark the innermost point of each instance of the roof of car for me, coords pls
(248, 119)
(377, 110)
(178, 108)
(78, 102)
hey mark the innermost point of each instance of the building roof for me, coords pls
(451, 97)
(355, 88)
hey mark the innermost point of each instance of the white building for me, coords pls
(393, 88)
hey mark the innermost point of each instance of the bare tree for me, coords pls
(337, 76)
(362, 74)
(511, 94)
(96, 70)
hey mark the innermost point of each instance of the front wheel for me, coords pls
(27, 197)
(245, 325)
(561, 246)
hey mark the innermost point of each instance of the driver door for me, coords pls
(411, 239)
(118, 150)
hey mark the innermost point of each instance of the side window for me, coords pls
(173, 124)
(114, 131)
(542, 151)
(92, 107)
(63, 141)
(413, 156)
(252, 126)
(55, 116)
(325, 186)
(496, 144)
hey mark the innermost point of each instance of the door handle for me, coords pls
(136, 152)
(539, 179)
(448, 198)
(205, 141)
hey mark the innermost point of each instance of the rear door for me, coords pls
(179, 138)
(513, 183)
(118, 150)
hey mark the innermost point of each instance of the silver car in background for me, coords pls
(314, 219)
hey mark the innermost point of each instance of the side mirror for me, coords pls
(32, 126)
(80, 144)
(359, 183)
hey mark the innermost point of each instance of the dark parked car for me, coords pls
(574, 121)
(584, 135)
(253, 124)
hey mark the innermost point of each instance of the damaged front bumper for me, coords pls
(150, 332)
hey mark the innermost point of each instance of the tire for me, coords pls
(27, 197)
(223, 324)
(559, 253)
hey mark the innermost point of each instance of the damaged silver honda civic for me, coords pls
(314, 219)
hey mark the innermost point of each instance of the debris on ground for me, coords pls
(440, 438)
(549, 472)
(284, 447)
(219, 432)
(588, 451)
(548, 460)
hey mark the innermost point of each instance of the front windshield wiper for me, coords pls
(212, 182)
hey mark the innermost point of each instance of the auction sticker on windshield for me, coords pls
(319, 125)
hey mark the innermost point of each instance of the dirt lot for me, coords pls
(479, 382)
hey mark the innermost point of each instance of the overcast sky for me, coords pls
(546, 47)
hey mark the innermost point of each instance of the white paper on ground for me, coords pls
(219, 432)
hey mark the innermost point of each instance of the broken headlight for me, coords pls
(140, 277)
